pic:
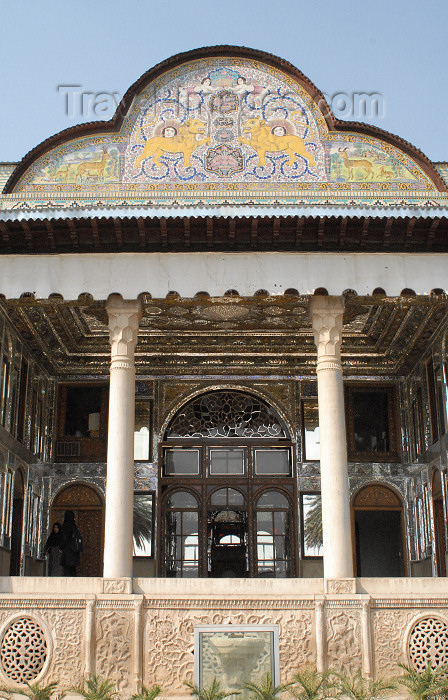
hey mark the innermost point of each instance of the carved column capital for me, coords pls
(124, 317)
(326, 317)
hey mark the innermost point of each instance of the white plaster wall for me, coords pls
(129, 274)
(48, 587)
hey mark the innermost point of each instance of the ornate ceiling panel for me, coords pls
(229, 335)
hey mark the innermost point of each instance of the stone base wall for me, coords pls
(142, 630)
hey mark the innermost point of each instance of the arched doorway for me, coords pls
(439, 523)
(88, 506)
(226, 490)
(17, 524)
(378, 529)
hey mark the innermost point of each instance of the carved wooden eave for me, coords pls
(306, 231)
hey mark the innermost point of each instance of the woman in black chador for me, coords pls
(71, 544)
(53, 549)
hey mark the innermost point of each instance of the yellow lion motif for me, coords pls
(183, 141)
(263, 139)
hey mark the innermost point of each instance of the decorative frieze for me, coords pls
(135, 638)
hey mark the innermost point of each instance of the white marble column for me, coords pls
(124, 318)
(326, 318)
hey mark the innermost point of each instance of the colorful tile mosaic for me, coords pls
(218, 125)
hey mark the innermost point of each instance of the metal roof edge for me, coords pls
(228, 211)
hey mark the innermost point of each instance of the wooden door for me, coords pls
(88, 507)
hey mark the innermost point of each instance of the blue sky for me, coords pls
(396, 48)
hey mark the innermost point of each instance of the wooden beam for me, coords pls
(187, 232)
(209, 232)
(321, 231)
(95, 234)
(431, 233)
(254, 233)
(141, 232)
(365, 231)
(232, 229)
(299, 231)
(118, 233)
(387, 231)
(28, 234)
(163, 233)
(276, 231)
(409, 231)
(5, 234)
(50, 232)
(342, 231)
(73, 233)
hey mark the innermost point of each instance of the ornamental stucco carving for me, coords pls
(169, 640)
(117, 585)
(340, 585)
(114, 635)
(344, 646)
(388, 633)
(297, 641)
(326, 318)
(403, 629)
(67, 661)
(124, 317)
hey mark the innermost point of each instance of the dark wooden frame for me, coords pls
(152, 493)
(379, 507)
(150, 402)
(307, 557)
(304, 400)
(432, 400)
(418, 446)
(354, 455)
(203, 485)
(92, 449)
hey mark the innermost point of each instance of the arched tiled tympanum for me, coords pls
(378, 532)
(227, 490)
(88, 506)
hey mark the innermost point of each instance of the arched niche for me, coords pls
(228, 447)
(88, 505)
(378, 528)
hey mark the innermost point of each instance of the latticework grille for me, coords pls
(428, 643)
(23, 650)
(226, 414)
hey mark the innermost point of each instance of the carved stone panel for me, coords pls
(114, 635)
(344, 645)
(377, 496)
(169, 640)
(67, 664)
(389, 628)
